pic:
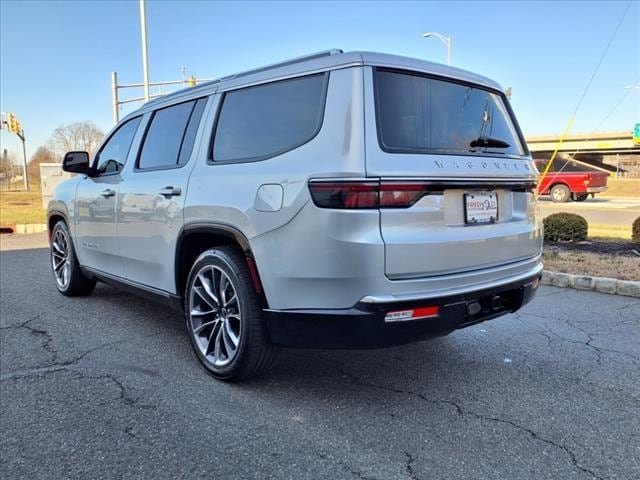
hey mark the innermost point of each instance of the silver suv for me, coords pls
(340, 200)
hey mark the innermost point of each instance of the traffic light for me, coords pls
(12, 123)
(191, 81)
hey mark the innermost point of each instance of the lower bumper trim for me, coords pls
(364, 326)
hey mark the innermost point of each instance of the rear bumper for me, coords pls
(364, 325)
(596, 189)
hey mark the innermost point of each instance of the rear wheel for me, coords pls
(224, 317)
(581, 198)
(70, 280)
(560, 193)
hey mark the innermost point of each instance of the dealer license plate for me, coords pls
(480, 207)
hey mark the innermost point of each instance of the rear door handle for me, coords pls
(170, 191)
(108, 193)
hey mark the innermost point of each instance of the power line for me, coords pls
(604, 54)
(606, 117)
(584, 94)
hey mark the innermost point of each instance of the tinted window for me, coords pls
(164, 136)
(192, 129)
(562, 165)
(420, 114)
(263, 121)
(113, 155)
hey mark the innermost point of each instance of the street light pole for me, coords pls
(145, 66)
(443, 39)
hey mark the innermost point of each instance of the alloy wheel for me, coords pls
(215, 315)
(60, 259)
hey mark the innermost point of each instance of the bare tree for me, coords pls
(42, 155)
(7, 170)
(84, 136)
(6, 165)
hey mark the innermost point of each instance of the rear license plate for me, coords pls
(480, 207)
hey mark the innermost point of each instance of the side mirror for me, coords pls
(76, 162)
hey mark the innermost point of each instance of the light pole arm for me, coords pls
(445, 40)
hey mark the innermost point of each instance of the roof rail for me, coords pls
(304, 58)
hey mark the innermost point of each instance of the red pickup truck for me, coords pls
(570, 180)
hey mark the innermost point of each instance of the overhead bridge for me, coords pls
(614, 152)
(603, 143)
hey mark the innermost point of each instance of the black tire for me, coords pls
(581, 198)
(254, 351)
(560, 193)
(68, 276)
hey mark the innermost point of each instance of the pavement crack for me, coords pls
(124, 396)
(409, 466)
(462, 412)
(75, 360)
(537, 436)
(32, 372)
(54, 366)
(599, 350)
(32, 319)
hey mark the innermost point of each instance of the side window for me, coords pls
(113, 154)
(192, 129)
(170, 135)
(266, 120)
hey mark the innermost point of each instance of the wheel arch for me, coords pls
(54, 217)
(195, 238)
(556, 183)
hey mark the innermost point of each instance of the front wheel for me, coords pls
(70, 280)
(224, 317)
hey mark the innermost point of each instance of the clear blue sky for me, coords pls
(56, 57)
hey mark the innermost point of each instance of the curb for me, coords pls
(23, 228)
(613, 286)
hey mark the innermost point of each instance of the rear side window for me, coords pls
(266, 120)
(170, 135)
(418, 114)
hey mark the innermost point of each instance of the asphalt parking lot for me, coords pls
(107, 387)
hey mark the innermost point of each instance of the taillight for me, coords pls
(366, 194)
(401, 195)
(347, 195)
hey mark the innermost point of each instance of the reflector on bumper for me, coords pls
(412, 314)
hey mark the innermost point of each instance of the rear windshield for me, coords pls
(418, 114)
(562, 165)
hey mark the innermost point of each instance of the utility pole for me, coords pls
(114, 97)
(24, 159)
(145, 65)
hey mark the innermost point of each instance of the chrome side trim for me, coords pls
(458, 291)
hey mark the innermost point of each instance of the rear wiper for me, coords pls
(489, 142)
